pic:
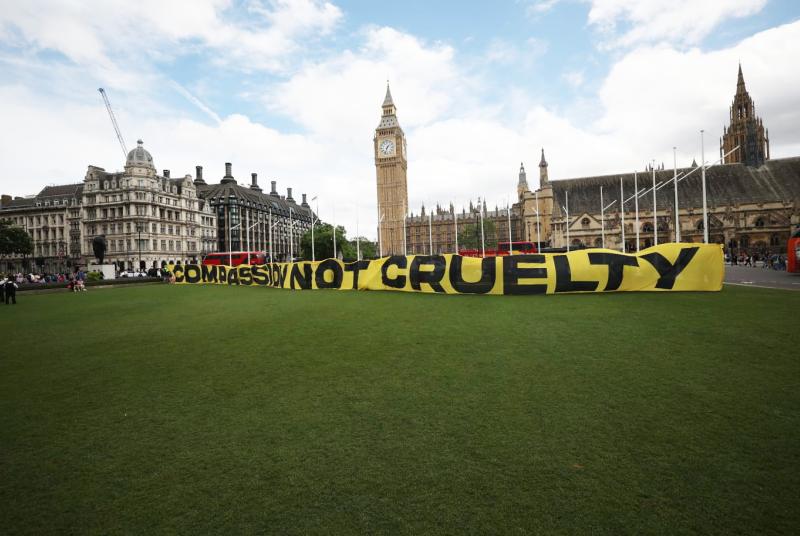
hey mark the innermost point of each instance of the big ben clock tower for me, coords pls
(390, 166)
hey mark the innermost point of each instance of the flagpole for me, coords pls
(455, 225)
(334, 231)
(538, 235)
(358, 238)
(291, 237)
(313, 224)
(566, 209)
(230, 254)
(622, 213)
(602, 220)
(405, 246)
(508, 210)
(655, 209)
(380, 242)
(430, 232)
(636, 205)
(483, 243)
(270, 235)
(675, 181)
(703, 175)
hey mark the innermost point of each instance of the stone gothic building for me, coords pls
(753, 202)
(391, 164)
(151, 219)
(746, 133)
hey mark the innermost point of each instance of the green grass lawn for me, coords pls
(234, 410)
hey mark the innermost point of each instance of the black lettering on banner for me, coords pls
(484, 285)
(564, 282)
(279, 275)
(395, 260)
(667, 271)
(329, 265)
(616, 263)
(260, 277)
(233, 276)
(356, 267)
(177, 271)
(301, 280)
(513, 272)
(209, 273)
(431, 277)
(192, 273)
(222, 278)
(245, 275)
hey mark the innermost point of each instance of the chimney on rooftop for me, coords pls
(166, 173)
(254, 183)
(228, 178)
(198, 175)
(304, 203)
(274, 190)
(289, 195)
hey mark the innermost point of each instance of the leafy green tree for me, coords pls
(323, 243)
(14, 240)
(469, 235)
(369, 250)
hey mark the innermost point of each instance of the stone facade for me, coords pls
(391, 164)
(247, 217)
(753, 202)
(745, 138)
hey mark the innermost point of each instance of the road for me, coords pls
(761, 277)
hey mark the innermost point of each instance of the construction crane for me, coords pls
(114, 121)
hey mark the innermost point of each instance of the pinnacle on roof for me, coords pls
(542, 162)
(740, 81)
(388, 100)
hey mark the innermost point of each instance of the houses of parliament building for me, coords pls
(753, 201)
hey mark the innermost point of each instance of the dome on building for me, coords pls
(139, 156)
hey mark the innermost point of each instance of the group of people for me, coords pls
(773, 262)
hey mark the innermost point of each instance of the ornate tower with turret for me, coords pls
(745, 131)
(522, 183)
(543, 180)
(389, 145)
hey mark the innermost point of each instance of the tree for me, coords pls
(323, 243)
(14, 240)
(369, 250)
(469, 235)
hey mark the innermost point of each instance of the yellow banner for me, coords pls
(676, 267)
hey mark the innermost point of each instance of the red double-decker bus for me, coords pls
(793, 253)
(235, 258)
(502, 249)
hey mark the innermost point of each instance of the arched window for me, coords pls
(699, 225)
(577, 243)
(759, 222)
(647, 227)
(744, 241)
(775, 240)
(585, 222)
(598, 242)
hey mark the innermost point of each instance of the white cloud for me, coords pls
(685, 22)
(461, 144)
(115, 36)
(574, 78)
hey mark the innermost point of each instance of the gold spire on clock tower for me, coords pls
(389, 145)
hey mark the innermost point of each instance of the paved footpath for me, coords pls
(760, 277)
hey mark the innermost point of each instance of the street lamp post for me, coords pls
(139, 241)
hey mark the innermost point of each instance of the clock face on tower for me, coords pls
(386, 147)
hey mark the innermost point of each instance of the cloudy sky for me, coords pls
(291, 89)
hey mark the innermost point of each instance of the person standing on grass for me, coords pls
(10, 291)
(3, 289)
